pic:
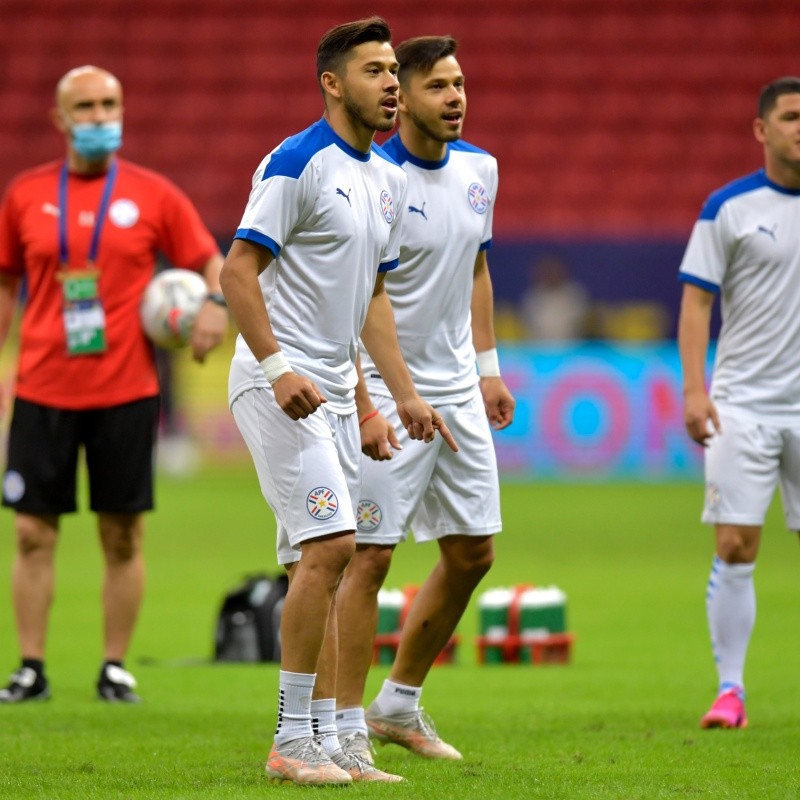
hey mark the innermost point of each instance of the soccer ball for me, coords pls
(169, 307)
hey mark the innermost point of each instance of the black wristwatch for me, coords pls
(218, 298)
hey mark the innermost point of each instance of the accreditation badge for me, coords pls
(84, 318)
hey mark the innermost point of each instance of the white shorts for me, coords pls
(743, 465)
(308, 469)
(429, 488)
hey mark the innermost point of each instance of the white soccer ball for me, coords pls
(169, 307)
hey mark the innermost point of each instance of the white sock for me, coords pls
(351, 720)
(395, 698)
(731, 610)
(294, 706)
(323, 723)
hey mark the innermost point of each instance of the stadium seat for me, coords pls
(628, 95)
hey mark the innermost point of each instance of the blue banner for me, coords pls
(596, 411)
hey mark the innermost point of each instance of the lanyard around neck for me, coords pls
(63, 245)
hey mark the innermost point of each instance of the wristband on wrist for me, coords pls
(367, 416)
(217, 298)
(488, 363)
(274, 366)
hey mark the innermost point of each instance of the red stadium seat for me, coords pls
(601, 115)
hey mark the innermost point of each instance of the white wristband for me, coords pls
(488, 363)
(274, 366)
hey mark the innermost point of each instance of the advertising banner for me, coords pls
(596, 411)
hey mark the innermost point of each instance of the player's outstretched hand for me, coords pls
(378, 438)
(208, 331)
(700, 417)
(298, 396)
(498, 402)
(422, 421)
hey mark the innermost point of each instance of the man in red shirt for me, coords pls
(84, 233)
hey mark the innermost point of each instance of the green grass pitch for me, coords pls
(620, 721)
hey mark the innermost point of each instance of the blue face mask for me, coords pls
(95, 142)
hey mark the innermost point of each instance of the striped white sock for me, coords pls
(351, 720)
(731, 610)
(323, 723)
(294, 706)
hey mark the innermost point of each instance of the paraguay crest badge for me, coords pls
(13, 486)
(322, 503)
(368, 516)
(124, 213)
(478, 198)
(713, 497)
(387, 206)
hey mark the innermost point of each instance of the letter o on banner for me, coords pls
(598, 401)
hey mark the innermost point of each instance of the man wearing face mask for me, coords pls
(83, 232)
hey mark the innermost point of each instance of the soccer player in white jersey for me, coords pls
(745, 247)
(303, 279)
(450, 499)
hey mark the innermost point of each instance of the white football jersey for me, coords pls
(446, 222)
(329, 214)
(746, 246)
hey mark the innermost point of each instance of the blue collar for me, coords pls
(342, 144)
(421, 162)
(776, 186)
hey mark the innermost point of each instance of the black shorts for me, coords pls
(43, 448)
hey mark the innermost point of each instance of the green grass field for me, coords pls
(619, 722)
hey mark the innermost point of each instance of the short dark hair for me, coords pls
(421, 53)
(339, 41)
(768, 98)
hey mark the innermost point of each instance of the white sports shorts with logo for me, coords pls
(428, 487)
(744, 464)
(308, 469)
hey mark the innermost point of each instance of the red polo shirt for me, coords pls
(146, 214)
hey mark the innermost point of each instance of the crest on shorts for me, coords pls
(478, 198)
(713, 497)
(13, 486)
(387, 206)
(322, 503)
(368, 516)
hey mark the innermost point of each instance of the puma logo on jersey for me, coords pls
(420, 211)
(769, 231)
(346, 196)
(49, 208)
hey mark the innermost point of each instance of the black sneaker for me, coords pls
(116, 685)
(26, 684)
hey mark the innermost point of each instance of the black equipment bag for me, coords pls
(248, 626)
